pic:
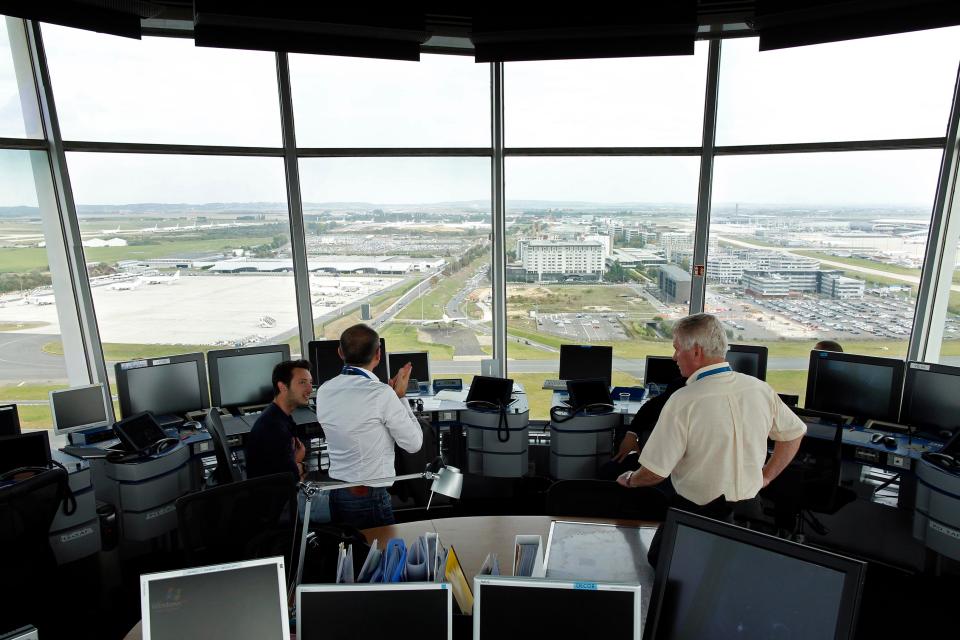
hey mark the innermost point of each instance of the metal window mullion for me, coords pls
(298, 242)
(70, 226)
(701, 236)
(936, 278)
(498, 258)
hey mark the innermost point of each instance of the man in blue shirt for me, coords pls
(272, 446)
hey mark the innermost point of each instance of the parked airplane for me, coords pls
(117, 230)
(126, 285)
(158, 279)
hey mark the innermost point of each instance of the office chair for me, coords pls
(227, 470)
(605, 499)
(810, 484)
(238, 521)
(27, 509)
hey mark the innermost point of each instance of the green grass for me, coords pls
(120, 352)
(568, 298)
(793, 382)
(432, 305)
(21, 326)
(30, 391)
(21, 260)
(35, 416)
(332, 329)
(403, 337)
(860, 262)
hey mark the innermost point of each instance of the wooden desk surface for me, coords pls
(475, 536)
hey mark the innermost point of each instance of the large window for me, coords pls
(19, 117)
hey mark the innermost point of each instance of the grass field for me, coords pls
(20, 260)
(120, 352)
(20, 326)
(332, 329)
(28, 391)
(568, 298)
(404, 337)
(432, 305)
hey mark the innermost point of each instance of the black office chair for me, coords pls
(238, 520)
(27, 509)
(811, 483)
(227, 470)
(605, 499)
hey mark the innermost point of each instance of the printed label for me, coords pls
(133, 364)
(920, 366)
(586, 586)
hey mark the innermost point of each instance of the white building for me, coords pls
(561, 259)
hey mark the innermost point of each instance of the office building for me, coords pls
(560, 260)
(674, 283)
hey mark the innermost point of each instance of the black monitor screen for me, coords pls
(325, 361)
(746, 363)
(246, 379)
(579, 361)
(24, 450)
(589, 393)
(360, 613)
(566, 614)
(419, 360)
(931, 400)
(173, 388)
(719, 587)
(9, 420)
(661, 370)
(79, 408)
(235, 603)
(863, 388)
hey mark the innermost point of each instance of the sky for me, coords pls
(162, 90)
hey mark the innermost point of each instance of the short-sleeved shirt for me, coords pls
(269, 447)
(711, 439)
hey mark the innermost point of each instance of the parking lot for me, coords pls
(585, 327)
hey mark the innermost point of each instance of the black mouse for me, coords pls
(889, 441)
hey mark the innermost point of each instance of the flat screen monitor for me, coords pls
(24, 450)
(244, 377)
(579, 361)
(520, 609)
(591, 394)
(325, 361)
(79, 409)
(931, 400)
(860, 386)
(717, 580)
(420, 610)
(168, 386)
(748, 359)
(237, 600)
(9, 420)
(660, 370)
(491, 391)
(419, 359)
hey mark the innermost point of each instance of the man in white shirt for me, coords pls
(711, 438)
(362, 420)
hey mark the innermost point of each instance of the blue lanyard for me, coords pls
(353, 371)
(714, 372)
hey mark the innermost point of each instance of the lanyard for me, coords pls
(354, 371)
(714, 372)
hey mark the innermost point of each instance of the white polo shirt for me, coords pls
(711, 438)
(362, 418)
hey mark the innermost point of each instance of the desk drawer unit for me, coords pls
(936, 516)
(486, 454)
(580, 445)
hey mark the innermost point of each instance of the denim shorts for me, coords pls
(371, 510)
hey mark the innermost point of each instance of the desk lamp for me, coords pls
(447, 481)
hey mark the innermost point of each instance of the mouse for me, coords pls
(889, 441)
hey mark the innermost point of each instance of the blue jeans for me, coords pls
(362, 511)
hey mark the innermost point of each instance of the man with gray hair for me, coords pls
(711, 438)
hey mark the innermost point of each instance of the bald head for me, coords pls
(358, 345)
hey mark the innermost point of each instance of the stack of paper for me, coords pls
(528, 556)
(490, 566)
(345, 565)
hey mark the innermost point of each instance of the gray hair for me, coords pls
(702, 329)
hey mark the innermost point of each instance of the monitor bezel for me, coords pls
(214, 357)
(380, 370)
(12, 408)
(30, 435)
(571, 348)
(147, 578)
(762, 354)
(394, 586)
(543, 583)
(391, 356)
(106, 422)
(913, 367)
(646, 368)
(855, 570)
(122, 370)
(892, 413)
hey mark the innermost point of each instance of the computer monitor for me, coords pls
(168, 386)
(591, 393)
(718, 580)
(9, 420)
(419, 359)
(421, 610)
(748, 359)
(660, 370)
(325, 361)
(244, 377)
(931, 400)
(24, 450)
(578, 361)
(79, 409)
(860, 386)
(507, 608)
(490, 391)
(237, 600)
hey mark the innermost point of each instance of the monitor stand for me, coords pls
(93, 436)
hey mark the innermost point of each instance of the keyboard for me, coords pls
(555, 385)
(78, 451)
